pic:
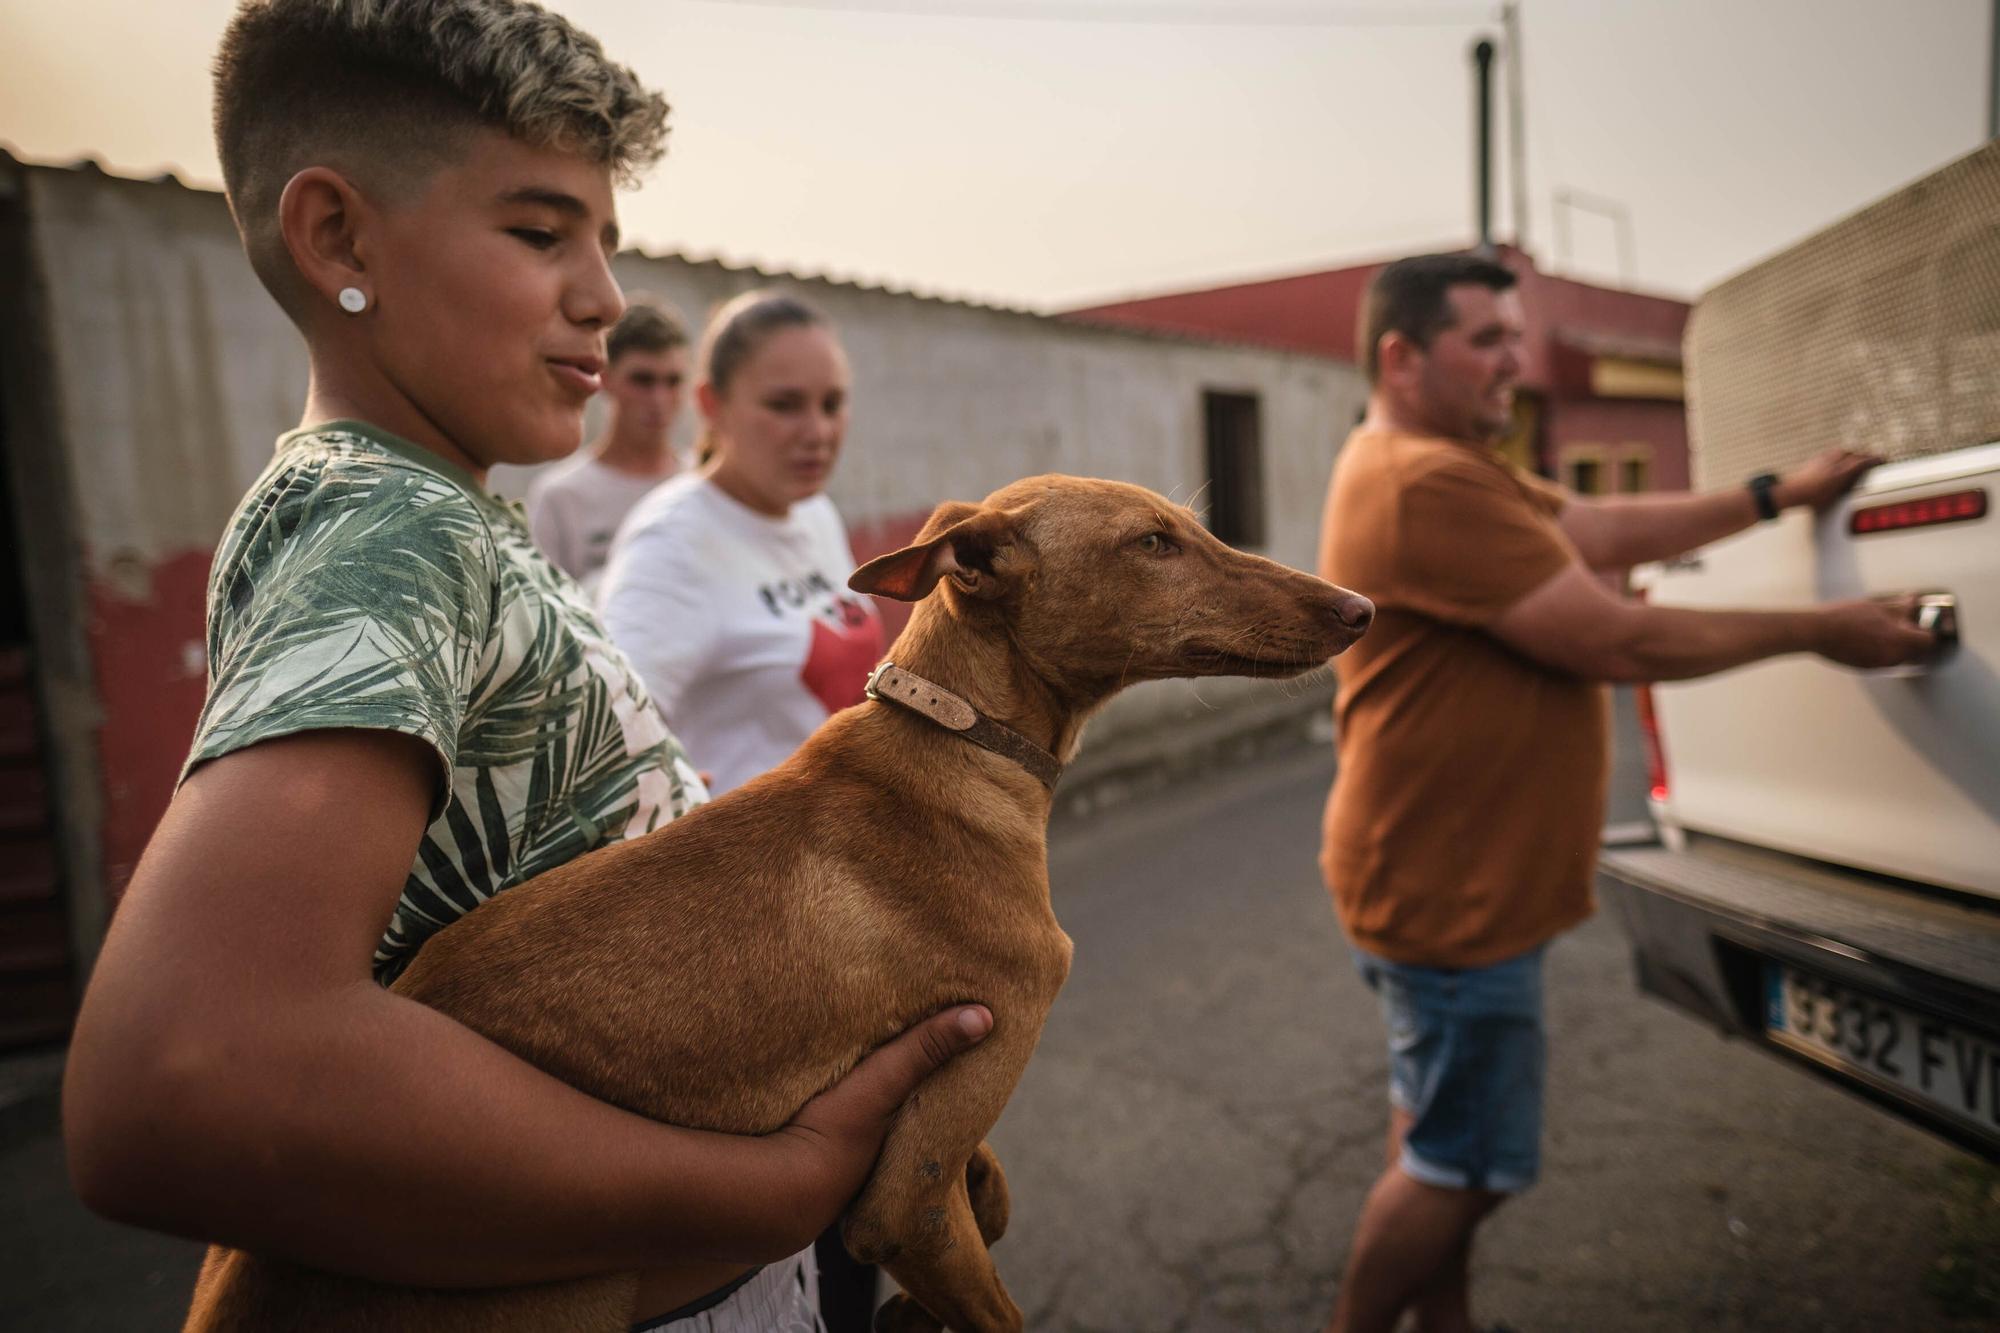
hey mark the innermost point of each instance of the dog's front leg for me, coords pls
(986, 1194)
(915, 1217)
(986, 1189)
(953, 1285)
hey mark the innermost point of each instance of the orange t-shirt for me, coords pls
(1463, 825)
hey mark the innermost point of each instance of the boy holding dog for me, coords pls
(410, 711)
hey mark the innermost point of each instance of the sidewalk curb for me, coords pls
(1145, 760)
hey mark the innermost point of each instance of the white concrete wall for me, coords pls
(952, 401)
(177, 372)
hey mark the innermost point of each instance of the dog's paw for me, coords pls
(900, 1314)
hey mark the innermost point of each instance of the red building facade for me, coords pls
(1600, 406)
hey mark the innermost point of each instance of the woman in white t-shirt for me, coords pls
(727, 586)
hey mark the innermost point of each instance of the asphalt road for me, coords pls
(1190, 1145)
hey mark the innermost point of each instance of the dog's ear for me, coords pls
(962, 542)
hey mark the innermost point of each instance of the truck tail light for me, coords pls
(1649, 731)
(1649, 728)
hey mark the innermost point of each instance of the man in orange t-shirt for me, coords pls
(1462, 831)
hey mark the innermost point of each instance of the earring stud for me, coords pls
(353, 300)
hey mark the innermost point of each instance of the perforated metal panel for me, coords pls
(1881, 333)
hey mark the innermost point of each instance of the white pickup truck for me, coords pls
(1827, 877)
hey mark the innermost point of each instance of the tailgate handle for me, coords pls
(1938, 613)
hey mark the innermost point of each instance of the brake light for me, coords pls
(1957, 507)
(1649, 727)
(1649, 732)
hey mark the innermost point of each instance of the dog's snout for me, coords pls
(1355, 611)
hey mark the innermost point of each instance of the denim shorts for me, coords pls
(1466, 1061)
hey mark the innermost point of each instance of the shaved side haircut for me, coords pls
(386, 92)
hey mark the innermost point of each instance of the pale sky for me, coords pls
(1052, 152)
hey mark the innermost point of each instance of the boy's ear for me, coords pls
(967, 543)
(319, 217)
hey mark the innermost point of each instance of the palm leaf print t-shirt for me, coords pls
(366, 583)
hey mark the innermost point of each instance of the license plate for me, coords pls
(1939, 1064)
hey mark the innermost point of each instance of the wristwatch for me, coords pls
(1761, 487)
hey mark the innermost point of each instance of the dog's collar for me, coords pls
(891, 684)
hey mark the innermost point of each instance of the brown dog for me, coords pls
(720, 972)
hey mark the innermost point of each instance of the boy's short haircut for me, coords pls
(387, 91)
(646, 326)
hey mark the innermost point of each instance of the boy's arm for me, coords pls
(237, 1075)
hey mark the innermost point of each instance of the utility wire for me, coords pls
(1192, 15)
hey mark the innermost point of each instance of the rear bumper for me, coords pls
(1704, 922)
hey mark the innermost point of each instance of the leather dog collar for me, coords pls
(889, 683)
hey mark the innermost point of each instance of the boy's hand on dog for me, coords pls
(831, 1144)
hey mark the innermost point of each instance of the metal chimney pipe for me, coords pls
(1517, 133)
(1482, 73)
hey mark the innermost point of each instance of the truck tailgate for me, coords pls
(1897, 772)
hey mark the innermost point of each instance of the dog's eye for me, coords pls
(1155, 543)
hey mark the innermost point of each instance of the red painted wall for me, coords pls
(1317, 313)
(1311, 312)
(150, 693)
(1619, 421)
